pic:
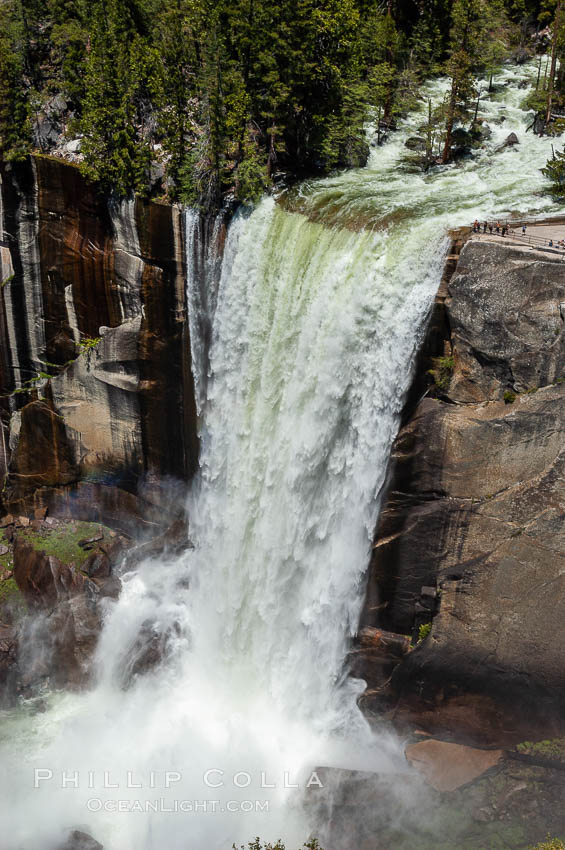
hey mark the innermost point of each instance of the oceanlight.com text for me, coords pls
(160, 806)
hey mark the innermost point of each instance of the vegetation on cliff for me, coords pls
(555, 170)
(207, 99)
(257, 844)
(71, 543)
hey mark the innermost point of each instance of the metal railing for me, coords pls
(536, 241)
(513, 228)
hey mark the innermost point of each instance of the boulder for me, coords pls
(73, 147)
(48, 124)
(38, 576)
(480, 131)
(520, 56)
(510, 805)
(147, 651)
(65, 599)
(157, 175)
(355, 154)
(172, 542)
(415, 143)
(461, 139)
(448, 766)
(78, 840)
(539, 124)
(376, 653)
(511, 140)
(41, 455)
(8, 664)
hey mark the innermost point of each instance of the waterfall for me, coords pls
(309, 360)
(302, 355)
(204, 244)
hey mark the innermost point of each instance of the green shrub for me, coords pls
(550, 844)
(312, 844)
(509, 397)
(536, 99)
(552, 748)
(12, 603)
(8, 588)
(89, 342)
(446, 363)
(63, 542)
(441, 373)
(197, 178)
(251, 177)
(424, 631)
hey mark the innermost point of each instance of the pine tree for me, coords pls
(116, 153)
(555, 171)
(380, 86)
(231, 91)
(555, 45)
(429, 39)
(68, 38)
(14, 97)
(252, 178)
(178, 33)
(469, 30)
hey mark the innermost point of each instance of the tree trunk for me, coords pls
(429, 133)
(477, 107)
(544, 87)
(247, 64)
(272, 158)
(553, 62)
(449, 122)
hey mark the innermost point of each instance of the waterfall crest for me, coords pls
(309, 363)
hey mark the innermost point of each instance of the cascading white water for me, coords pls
(203, 263)
(314, 332)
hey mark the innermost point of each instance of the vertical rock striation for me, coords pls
(95, 368)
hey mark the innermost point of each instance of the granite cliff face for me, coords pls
(471, 535)
(97, 405)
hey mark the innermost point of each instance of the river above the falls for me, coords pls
(392, 193)
(319, 311)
